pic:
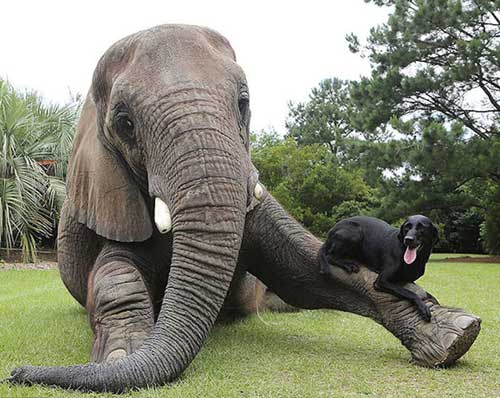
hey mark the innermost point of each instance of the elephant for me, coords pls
(166, 226)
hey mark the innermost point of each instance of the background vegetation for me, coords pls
(419, 135)
(35, 140)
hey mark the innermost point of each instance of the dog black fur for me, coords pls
(397, 255)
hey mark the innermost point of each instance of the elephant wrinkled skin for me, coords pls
(165, 216)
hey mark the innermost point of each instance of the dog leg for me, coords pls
(384, 285)
(326, 260)
(346, 265)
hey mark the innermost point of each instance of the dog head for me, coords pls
(417, 232)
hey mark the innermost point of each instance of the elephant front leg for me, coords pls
(120, 310)
(282, 254)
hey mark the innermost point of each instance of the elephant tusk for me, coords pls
(258, 191)
(163, 220)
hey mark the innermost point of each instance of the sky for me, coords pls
(285, 47)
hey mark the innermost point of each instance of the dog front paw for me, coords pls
(425, 311)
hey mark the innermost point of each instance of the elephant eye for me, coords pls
(124, 125)
(243, 106)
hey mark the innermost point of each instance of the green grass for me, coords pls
(308, 354)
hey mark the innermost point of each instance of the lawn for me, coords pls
(308, 354)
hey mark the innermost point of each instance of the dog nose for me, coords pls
(409, 239)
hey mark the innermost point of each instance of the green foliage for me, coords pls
(310, 183)
(34, 140)
(423, 128)
(429, 114)
(490, 231)
(461, 232)
(436, 79)
(433, 58)
(432, 168)
(430, 172)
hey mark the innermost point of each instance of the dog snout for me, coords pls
(409, 240)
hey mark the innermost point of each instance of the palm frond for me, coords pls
(35, 141)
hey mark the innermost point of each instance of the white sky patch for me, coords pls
(284, 47)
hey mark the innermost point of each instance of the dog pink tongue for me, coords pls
(410, 255)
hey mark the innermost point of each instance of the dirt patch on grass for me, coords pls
(47, 259)
(18, 266)
(469, 259)
(16, 256)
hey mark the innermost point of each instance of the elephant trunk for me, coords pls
(206, 192)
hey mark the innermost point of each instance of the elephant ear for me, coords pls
(100, 191)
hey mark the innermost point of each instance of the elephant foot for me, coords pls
(245, 297)
(120, 311)
(272, 302)
(445, 339)
(248, 295)
(438, 343)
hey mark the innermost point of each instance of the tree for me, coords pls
(324, 118)
(436, 80)
(490, 230)
(429, 116)
(433, 57)
(34, 141)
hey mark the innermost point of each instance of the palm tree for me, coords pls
(35, 140)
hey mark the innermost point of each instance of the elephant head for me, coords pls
(163, 142)
(166, 121)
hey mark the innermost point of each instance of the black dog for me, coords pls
(396, 255)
